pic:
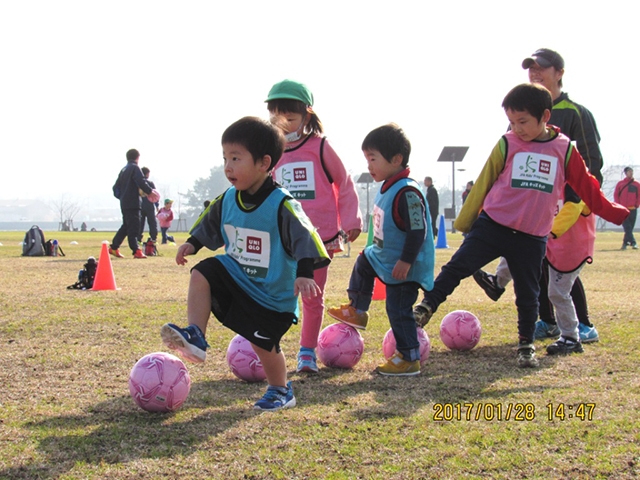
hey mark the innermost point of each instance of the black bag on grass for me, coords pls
(86, 276)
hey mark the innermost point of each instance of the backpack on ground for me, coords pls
(150, 249)
(53, 249)
(86, 276)
(34, 244)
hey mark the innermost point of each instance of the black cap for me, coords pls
(545, 58)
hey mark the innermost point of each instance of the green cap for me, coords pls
(289, 89)
(167, 200)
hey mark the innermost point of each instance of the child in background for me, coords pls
(517, 194)
(402, 254)
(148, 211)
(314, 174)
(165, 217)
(271, 250)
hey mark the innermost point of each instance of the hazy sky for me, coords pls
(83, 81)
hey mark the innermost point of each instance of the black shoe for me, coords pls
(489, 283)
(564, 346)
(527, 355)
(422, 313)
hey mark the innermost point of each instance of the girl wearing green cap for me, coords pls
(314, 175)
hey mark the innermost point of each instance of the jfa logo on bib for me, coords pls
(299, 178)
(534, 171)
(251, 248)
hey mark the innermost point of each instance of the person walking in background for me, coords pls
(467, 189)
(627, 193)
(127, 189)
(165, 217)
(314, 174)
(434, 203)
(148, 212)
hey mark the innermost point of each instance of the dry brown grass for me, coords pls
(65, 411)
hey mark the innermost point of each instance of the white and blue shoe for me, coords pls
(188, 342)
(588, 334)
(546, 330)
(276, 398)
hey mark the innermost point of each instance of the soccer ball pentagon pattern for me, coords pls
(460, 330)
(243, 361)
(389, 345)
(340, 346)
(159, 382)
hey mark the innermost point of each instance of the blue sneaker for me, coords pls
(189, 342)
(275, 399)
(545, 330)
(588, 334)
(307, 361)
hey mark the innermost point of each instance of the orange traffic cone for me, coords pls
(379, 290)
(105, 279)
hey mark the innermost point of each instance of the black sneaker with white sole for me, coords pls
(565, 346)
(527, 355)
(489, 283)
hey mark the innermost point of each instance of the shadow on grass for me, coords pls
(120, 432)
(448, 377)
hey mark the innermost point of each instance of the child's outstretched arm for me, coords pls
(348, 205)
(411, 209)
(588, 188)
(184, 250)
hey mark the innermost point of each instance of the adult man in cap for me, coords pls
(546, 67)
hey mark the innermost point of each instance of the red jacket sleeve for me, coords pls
(588, 188)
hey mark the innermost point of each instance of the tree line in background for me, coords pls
(216, 183)
(208, 188)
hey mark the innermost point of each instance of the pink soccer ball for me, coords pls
(159, 382)
(154, 196)
(243, 361)
(340, 346)
(389, 345)
(460, 330)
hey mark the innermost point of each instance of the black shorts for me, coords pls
(236, 310)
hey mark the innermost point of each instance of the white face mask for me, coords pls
(295, 136)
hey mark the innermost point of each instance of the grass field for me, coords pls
(66, 413)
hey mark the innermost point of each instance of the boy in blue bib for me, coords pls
(402, 254)
(271, 251)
